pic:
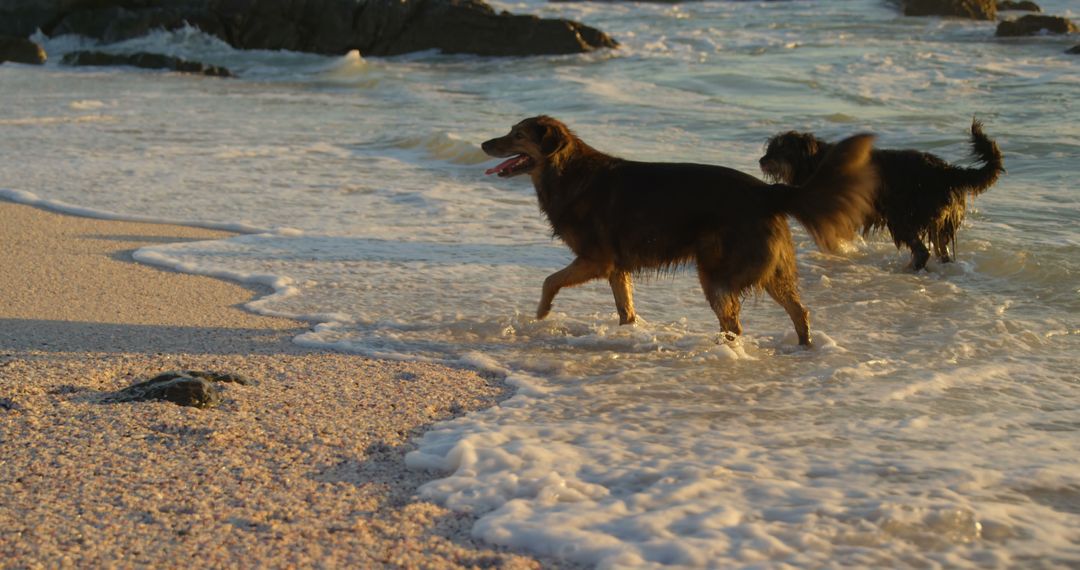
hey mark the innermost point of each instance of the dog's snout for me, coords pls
(491, 147)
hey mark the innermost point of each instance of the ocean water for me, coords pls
(936, 423)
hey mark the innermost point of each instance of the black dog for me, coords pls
(622, 217)
(920, 197)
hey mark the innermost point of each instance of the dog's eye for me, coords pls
(519, 135)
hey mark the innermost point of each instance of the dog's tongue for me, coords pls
(504, 165)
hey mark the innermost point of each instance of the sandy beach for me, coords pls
(302, 468)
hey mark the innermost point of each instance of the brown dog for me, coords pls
(621, 217)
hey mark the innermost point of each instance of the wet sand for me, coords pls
(303, 468)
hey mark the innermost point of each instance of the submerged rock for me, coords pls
(185, 387)
(1035, 24)
(974, 9)
(21, 50)
(1022, 6)
(144, 60)
(331, 27)
(1075, 49)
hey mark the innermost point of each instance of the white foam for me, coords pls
(283, 287)
(445, 146)
(88, 105)
(31, 199)
(349, 68)
(31, 121)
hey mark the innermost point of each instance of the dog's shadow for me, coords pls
(371, 467)
(380, 470)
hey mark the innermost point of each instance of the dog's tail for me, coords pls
(835, 201)
(985, 150)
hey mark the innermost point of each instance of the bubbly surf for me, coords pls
(936, 422)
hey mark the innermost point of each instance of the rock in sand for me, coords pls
(185, 387)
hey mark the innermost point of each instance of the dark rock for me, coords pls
(1031, 25)
(473, 27)
(1074, 49)
(144, 60)
(115, 23)
(1022, 6)
(7, 404)
(21, 50)
(635, 1)
(175, 387)
(318, 26)
(21, 18)
(332, 27)
(973, 9)
(185, 387)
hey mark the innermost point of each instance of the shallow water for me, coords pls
(934, 424)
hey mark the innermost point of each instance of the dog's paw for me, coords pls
(542, 311)
(918, 263)
(727, 337)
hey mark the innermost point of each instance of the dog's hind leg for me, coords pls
(623, 288)
(943, 233)
(725, 303)
(942, 251)
(783, 288)
(579, 271)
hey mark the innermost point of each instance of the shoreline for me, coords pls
(304, 467)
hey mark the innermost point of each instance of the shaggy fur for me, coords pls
(622, 217)
(920, 198)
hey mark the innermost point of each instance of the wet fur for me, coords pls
(921, 198)
(622, 217)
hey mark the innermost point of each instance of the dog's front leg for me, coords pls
(919, 254)
(622, 286)
(579, 271)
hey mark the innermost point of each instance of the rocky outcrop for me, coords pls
(974, 9)
(116, 23)
(144, 60)
(473, 27)
(1021, 6)
(20, 18)
(637, 1)
(21, 50)
(332, 27)
(1031, 25)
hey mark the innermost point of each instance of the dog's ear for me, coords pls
(810, 144)
(552, 140)
(548, 137)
